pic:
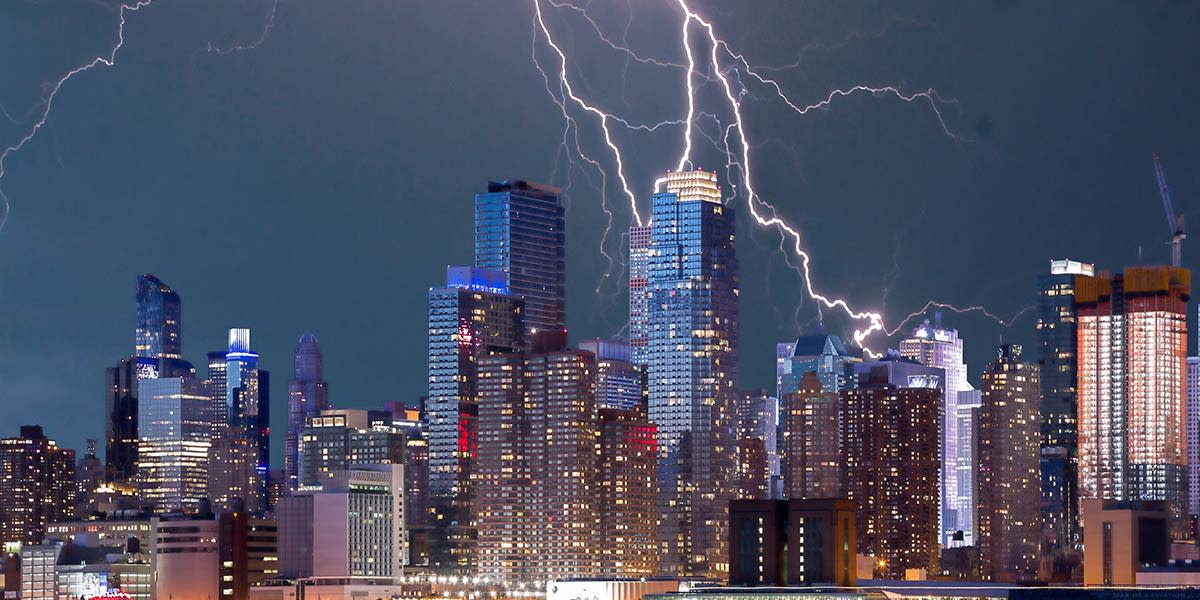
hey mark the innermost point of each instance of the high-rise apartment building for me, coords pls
(639, 272)
(538, 491)
(175, 436)
(1056, 358)
(627, 468)
(758, 419)
(618, 381)
(308, 395)
(812, 441)
(935, 346)
(37, 485)
(159, 327)
(692, 310)
(340, 439)
(890, 438)
(471, 317)
(1008, 444)
(1132, 365)
(520, 231)
(1193, 434)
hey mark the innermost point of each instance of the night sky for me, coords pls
(323, 180)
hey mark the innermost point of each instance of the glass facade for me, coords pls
(469, 318)
(639, 270)
(308, 395)
(175, 434)
(692, 306)
(519, 231)
(159, 331)
(618, 381)
(244, 430)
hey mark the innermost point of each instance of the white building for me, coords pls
(1193, 433)
(933, 346)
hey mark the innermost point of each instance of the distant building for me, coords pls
(1057, 353)
(471, 317)
(1122, 537)
(819, 353)
(1193, 434)
(639, 272)
(308, 395)
(890, 440)
(120, 421)
(242, 448)
(37, 485)
(1132, 428)
(356, 523)
(159, 316)
(758, 419)
(777, 543)
(89, 475)
(520, 231)
(1007, 450)
(339, 439)
(627, 468)
(175, 436)
(692, 312)
(812, 441)
(935, 346)
(619, 383)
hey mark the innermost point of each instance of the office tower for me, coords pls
(692, 306)
(352, 526)
(819, 353)
(1132, 364)
(639, 273)
(1056, 359)
(308, 395)
(797, 542)
(519, 231)
(891, 445)
(537, 498)
(120, 423)
(967, 417)
(627, 466)
(1008, 450)
(341, 439)
(214, 383)
(1193, 433)
(159, 328)
(37, 485)
(812, 441)
(241, 450)
(471, 317)
(758, 418)
(175, 436)
(618, 381)
(89, 475)
(935, 346)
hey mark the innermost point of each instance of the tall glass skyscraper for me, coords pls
(639, 270)
(519, 230)
(1058, 405)
(159, 333)
(692, 306)
(244, 445)
(175, 434)
(308, 395)
(471, 317)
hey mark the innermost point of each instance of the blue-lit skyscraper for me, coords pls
(819, 353)
(242, 449)
(519, 230)
(618, 381)
(159, 333)
(692, 300)
(308, 395)
(470, 317)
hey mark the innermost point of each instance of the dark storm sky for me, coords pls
(322, 181)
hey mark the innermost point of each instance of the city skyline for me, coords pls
(1014, 159)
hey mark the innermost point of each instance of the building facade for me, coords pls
(640, 238)
(175, 436)
(308, 395)
(619, 383)
(469, 318)
(692, 306)
(159, 332)
(520, 232)
(1008, 447)
(812, 441)
(627, 466)
(37, 485)
(796, 542)
(1132, 365)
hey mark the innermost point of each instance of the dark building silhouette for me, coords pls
(792, 542)
(308, 395)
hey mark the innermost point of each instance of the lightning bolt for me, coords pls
(727, 74)
(268, 25)
(40, 121)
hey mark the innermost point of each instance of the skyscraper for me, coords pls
(242, 449)
(159, 330)
(812, 441)
(471, 317)
(308, 395)
(618, 382)
(1056, 359)
(1193, 434)
(692, 306)
(639, 272)
(120, 422)
(519, 231)
(37, 485)
(175, 435)
(1008, 451)
(890, 437)
(819, 353)
(758, 427)
(1132, 365)
(628, 514)
(936, 346)
(341, 439)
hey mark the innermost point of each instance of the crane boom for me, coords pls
(1175, 224)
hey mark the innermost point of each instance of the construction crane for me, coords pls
(1178, 232)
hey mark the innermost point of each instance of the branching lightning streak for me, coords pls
(739, 159)
(107, 61)
(970, 309)
(268, 25)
